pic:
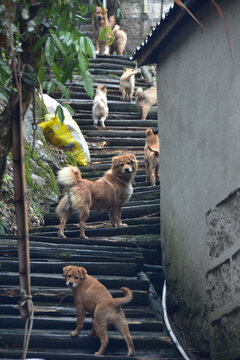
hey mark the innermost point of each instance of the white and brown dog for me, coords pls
(93, 297)
(151, 157)
(127, 83)
(108, 193)
(100, 106)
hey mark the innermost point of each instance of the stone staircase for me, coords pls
(116, 256)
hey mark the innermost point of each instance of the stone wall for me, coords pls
(138, 20)
(223, 280)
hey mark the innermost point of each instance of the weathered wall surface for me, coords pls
(198, 101)
(223, 276)
(138, 20)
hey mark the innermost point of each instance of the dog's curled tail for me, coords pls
(112, 21)
(140, 93)
(123, 300)
(69, 176)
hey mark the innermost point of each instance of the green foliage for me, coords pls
(7, 178)
(44, 34)
(106, 34)
(3, 229)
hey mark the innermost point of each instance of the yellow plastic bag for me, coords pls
(61, 136)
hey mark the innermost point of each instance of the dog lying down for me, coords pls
(92, 296)
(108, 193)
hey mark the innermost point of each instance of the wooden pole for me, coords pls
(25, 306)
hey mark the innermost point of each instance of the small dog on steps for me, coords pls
(92, 296)
(145, 100)
(151, 157)
(127, 83)
(120, 41)
(100, 106)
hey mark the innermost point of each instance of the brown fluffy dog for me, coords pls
(151, 157)
(92, 296)
(127, 83)
(100, 21)
(145, 100)
(120, 41)
(109, 192)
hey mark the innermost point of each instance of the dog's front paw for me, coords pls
(97, 353)
(61, 235)
(123, 225)
(131, 353)
(75, 333)
(83, 237)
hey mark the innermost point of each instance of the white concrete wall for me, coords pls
(199, 125)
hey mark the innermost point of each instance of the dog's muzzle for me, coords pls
(128, 170)
(99, 18)
(70, 284)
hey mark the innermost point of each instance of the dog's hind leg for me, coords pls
(147, 171)
(158, 173)
(102, 120)
(122, 326)
(101, 332)
(63, 211)
(145, 111)
(95, 120)
(84, 214)
(63, 221)
(131, 91)
(152, 176)
(123, 91)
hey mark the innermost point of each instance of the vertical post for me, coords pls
(21, 209)
(104, 3)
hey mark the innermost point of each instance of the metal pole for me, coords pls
(25, 306)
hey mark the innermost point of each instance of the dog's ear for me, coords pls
(66, 269)
(132, 157)
(105, 12)
(82, 272)
(149, 131)
(115, 161)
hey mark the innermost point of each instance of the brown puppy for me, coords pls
(92, 296)
(151, 157)
(100, 21)
(127, 83)
(109, 192)
(120, 41)
(145, 100)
